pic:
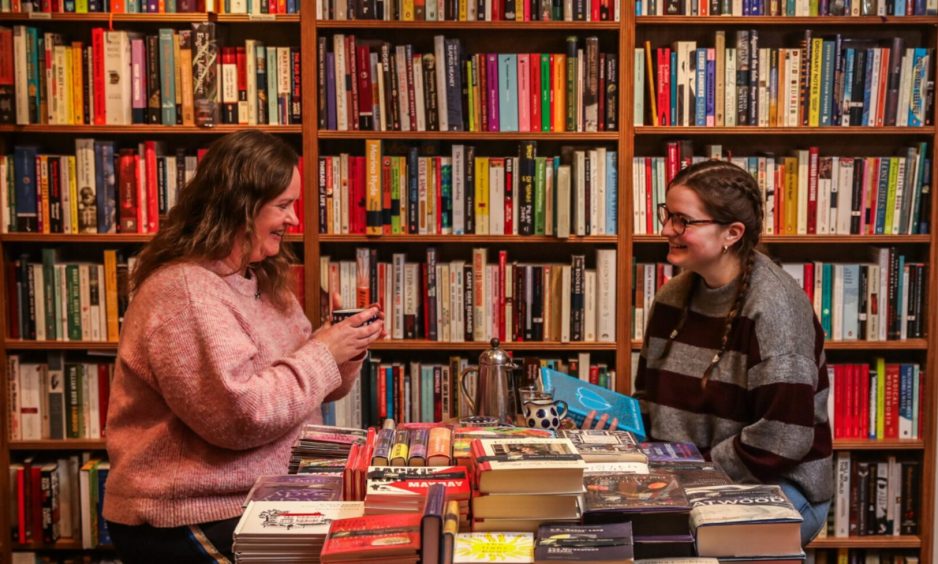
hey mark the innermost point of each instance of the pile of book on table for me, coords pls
(448, 494)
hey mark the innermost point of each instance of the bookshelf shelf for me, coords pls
(470, 136)
(884, 444)
(749, 130)
(174, 130)
(786, 21)
(424, 345)
(906, 345)
(96, 238)
(873, 541)
(254, 19)
(180, 18)
(487, 26)
(469, 239)
(66, 444)
(815, 239)
(21, 345)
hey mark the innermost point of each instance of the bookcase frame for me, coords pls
(627, 245)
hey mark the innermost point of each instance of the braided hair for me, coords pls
(729, 194)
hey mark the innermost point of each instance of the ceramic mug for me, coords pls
(342, 314)
(544, 413)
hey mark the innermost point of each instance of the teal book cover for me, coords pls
(583, 397)
(508, 91)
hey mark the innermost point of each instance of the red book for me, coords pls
(809, 280)
(650, 214)
(594, 9)
(357, 185)
(365, 101)
(127, 192)
(241, 60)
(382, 378)
(351, 63)
(438, 189)
(97, 79)
(150, 150)
(499, 312)
(812, 190)
(891, 411)
(104, 392)
(864, 371)
(373, 536)
(386, 204)
(535, 94)
(664, 85)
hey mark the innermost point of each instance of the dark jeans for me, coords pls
(205, 543)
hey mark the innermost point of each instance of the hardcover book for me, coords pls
(655, 503)
(583, 397)
(376, 536)
(667, 453)
(527, 465)
(739, 520)
(301, 519)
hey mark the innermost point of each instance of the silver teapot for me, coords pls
(495, 390)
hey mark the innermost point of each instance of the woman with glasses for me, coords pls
(733, 355)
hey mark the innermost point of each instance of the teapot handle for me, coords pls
(465, 391)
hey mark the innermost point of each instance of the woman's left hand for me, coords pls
(600, 423)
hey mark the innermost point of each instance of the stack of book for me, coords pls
(523, 482)
(288, 531)
(323, 448)
(611, 542)
(653, 503)
(296, 487)
(606, 450)
(404, 489)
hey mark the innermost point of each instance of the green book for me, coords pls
(545, 91)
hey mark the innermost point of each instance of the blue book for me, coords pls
(328, 413)
(674, 120)
(508, 91)
(27, 206)
(827, 277)
(711, 91)
(612, 192)
(389, 391)
(867, 86)
(583, 397)
(849, 56)
(919, 86)
(700, 89)
(882, 193)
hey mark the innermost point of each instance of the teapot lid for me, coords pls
(495, 355)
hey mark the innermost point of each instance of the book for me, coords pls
(583, 397)
(655, 503)
(373, 537)
(493, 547)
(738, 520)
(604, 445)
(527, 465)
(597, 544)
(665, 453)
(296, 487)
(404, 488)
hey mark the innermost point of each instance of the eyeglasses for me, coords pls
(679, 222)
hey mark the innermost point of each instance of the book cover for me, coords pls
(633, 493)
(296, 487)
(583, 397)
(359, 538)
(600, 445)
(711, 505)
(414, 481)
(493, 547)
(611, 542)
(294, 518)
(663, 452)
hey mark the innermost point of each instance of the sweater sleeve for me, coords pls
(782, 397)
(204, 365)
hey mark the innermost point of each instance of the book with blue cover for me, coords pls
(583, 397)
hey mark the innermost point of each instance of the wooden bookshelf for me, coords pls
(872, 541)
(24, 345)
(425, 345)
(146, 130)
(65, 444)
(471, 136)
(794, 21)
(797, 240)
(746, 130)
(468, 239)
(878, 346)
(98, 238)
(474, 26)
(877, 444)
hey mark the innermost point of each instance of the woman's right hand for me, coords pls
(349, 339)
(600, 423)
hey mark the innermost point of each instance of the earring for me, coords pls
(725, 248)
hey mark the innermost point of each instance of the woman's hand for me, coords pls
(600, 423)
(350, 338)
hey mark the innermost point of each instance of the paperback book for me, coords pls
(583, 397)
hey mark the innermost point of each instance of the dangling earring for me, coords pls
(725, 248)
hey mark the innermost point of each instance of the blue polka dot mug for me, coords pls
(544, 413)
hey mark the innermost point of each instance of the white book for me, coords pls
(579, 175)
(589, 301)
(440, 69)
(264, 520)
(730, 88)
(93, 431)
(40, 300)
(595, 203)
(117, 89)
(344, 181)
(837, 303)
(21, 96)
(457, 301)
(249, 106)
(30, 400)
(842, 494)
(563, 202)
(479, 262)
(803, 168)
(341, 108)
(638, 108)
(606, 295)
(443, 311)
(418, 94)
(496, 197)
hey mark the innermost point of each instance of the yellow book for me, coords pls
(790, 211)
(881, 396)
(482, 195)
(72, 192)
(110, 294)
(78, 91)
(471, 92)
(814, 83)
(558, 91)
(400, 449)
(463, 11)
(650, 70)
(69, 81)
(185, 65)
(407, 10)
(374, 224)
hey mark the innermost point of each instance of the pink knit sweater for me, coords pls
(211, 387)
